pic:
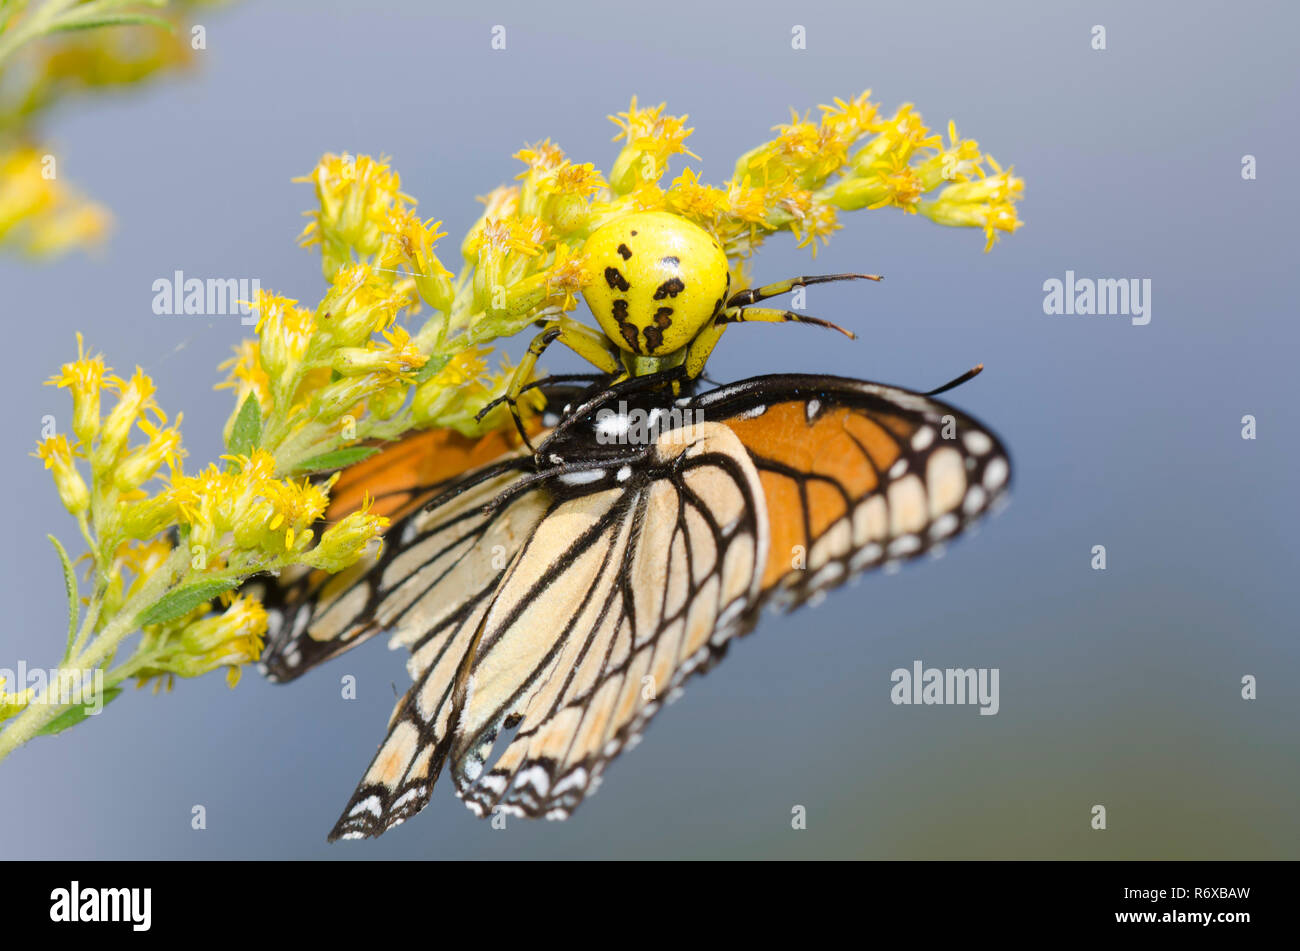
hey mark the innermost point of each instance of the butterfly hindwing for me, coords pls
(660, 573)
(600, 615)
(314, 616)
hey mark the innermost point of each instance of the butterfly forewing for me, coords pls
(857, 475)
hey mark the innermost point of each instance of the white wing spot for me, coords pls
(977, 442)
(575, 780)
(612, 428)
(995, 474)
(904, 545)
(866, 555)
(407, 796)
(582, 478)
(829, 573)
(536, 777)
(944, 526)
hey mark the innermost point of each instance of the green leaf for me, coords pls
(247, 431)
(337, 459)
(74, 715)
(182, 601)
(435, 365)
(74, 22)
(69, 582)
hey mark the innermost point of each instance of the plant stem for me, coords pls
(29, 722)
(31, 26)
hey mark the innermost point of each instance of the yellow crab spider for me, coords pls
(661, 295)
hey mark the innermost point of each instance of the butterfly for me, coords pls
(552, 601)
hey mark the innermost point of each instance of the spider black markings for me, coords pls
(669, 288)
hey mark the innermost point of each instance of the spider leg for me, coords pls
(583, 341)
(699, 349)
(768, 315)
(753, 295)
(592, 378)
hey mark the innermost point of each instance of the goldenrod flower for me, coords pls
(567, 276)
(958, 162)
(295, 506)
(284, 332)
(448, 386)
(247, 375)
(360, 303)
(38, 214)
(57, 455)
(986, 203)
(651, 138)
(890, 181)
(411, 242)
(140, 465)
(356, 535)
(229, 639)
(849, 121)
(504, 250)
(689, 198)
(398, 358)
(356, 196)
(85, 378)
(134, 399)
(142, 559)
(542, 159)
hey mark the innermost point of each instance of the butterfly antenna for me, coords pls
(953, 384)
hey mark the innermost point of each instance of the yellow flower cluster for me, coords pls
(160, 559)
(347, 371)
(321, 385)
(202, 642)
(38, 214)
(332, 377)
(49, 51)
(852, 157)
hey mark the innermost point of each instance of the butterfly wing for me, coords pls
(634, 578)
(857, 475)
(314, 616)
(569, 608)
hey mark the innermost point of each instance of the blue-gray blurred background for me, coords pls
(1119, 687)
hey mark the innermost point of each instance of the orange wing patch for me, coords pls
(401, 477)
(838, 456)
